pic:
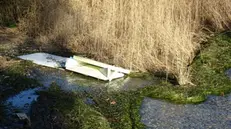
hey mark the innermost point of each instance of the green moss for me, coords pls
(120, 109)
(123, 113)
(135, 102)
(116, 113)
(173, 94)
(75, 113)
(208, 74)
(210, 66)
(15, 78)
(12, 25)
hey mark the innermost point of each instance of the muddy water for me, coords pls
(21, 102)
(75, 82)
(71, 82)
(68, 81)
(214, 113)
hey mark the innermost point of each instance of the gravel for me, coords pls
(214, 113)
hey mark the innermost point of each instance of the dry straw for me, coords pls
(153, 35)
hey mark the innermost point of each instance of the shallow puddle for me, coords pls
(68, 81)
(74, 82)
(71, 82)
(22, 101)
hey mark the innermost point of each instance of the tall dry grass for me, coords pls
(154, 35)
(12, 10)
(216, 14)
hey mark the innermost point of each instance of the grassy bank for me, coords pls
(210, 66)
(208, 74)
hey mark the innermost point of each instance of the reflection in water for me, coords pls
(76, 82)
(23, 100)
(72, 82)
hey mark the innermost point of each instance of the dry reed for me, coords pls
(153, 35)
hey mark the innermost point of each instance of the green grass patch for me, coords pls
(209, 68)
(14, 79)
(71, 111)
(11, 24)
(111, 110)
(120, 109)
(208, 75)
(171, 93)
